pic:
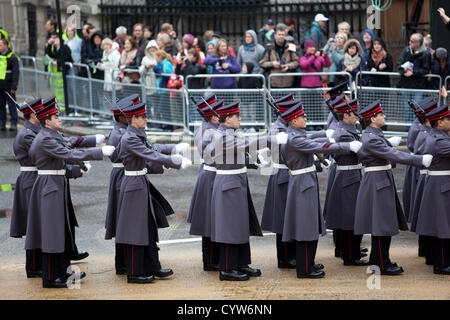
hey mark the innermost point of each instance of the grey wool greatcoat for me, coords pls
(332, 123)
(117, 174)
(419, 149)
(139, 200)
(341, 200)
(303, 220)
(25, 181)
(378, 209)
(199, 215)
(434, 213)
(276, 194)
(411, 172)
(233, 216)
(50, 208)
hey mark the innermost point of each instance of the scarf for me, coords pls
(377, 57)
(350, 61)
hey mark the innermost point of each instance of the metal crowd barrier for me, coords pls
(253, 109)
(393, 99)
(312, 98)
(91, 97)
(447, 88)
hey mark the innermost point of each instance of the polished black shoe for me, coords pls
(421, 252)
(120, 271)
(57, 283)
(233, 275)
(251, 272)
(364, 250)
(429, 262)
(337, 253)
(312, 275)
(140, 279)
(210, 267)
(363, 255)
(291, 264)
(441, 270)
(34, 274)
(80, 256)
(392, 270)
(163, 273)
(318, 266)
(360, 262)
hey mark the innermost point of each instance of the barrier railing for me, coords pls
(447, 88)
(90, 97)
(253, 109)
(312, 98)
(394, 100)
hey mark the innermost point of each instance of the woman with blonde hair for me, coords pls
(110, 62)
(163, 41)
(335, 50)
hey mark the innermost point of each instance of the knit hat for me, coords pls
(441, 53)
(309, 43)
(189, 39)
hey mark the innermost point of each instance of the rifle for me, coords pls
(414, 105)
(277, 111)
(360, 118)
(198, 110)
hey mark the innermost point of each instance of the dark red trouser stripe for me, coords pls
(306, 251)
(381, 256)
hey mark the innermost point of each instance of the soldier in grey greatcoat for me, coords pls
(303, 221)
(434, 214)
(378, 209)
(141, 208)
(419, 180)
(51, 218)
(27, 177)
(341, 199)
(412, 172)
(199, 215)
(233, 216)
(275, 201)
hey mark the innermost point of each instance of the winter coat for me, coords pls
(110, 61)
(421, 61)
(225, 82)
(253, 53)
(313, 63)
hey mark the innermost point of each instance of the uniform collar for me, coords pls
(33, 127)
(439, 133)
(297, 130)
(210, 125)
(136, 131)
(375, 131)
(120, 125)
(51, 132)
(282, 121)
(348, 127)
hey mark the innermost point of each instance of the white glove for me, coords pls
(355, 146)
(99, 138)
(282, 138)
(108, 150)
(329, 133)
(315, 158)
(182, 147)
(264, 152)
(263, 163)
(426, 160)
(332, 140)
(179, 159)
(325, 166)
(395, 141)
(88, 166)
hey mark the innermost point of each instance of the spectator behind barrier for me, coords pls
(191, 66)
(141, 42)
(163, 65)
(74, 43)
(128, 60)
(121, 36)
(335, 50)
(311, 62)
(148, 76)
(223, 63)
(110, 62)
(266, 33)
(413, 64)
(440, 65)
(379, 60)
(251, 51)
(352, 60)
(280, 58)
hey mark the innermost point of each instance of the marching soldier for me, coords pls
(341, 199)
(275, 201)
(378, 209)
(141, 208)
(412, 172)
(51, 217)
(419, 149)
(233, 216)
(116, 177)
(199, 215)
(24, 184)
(303, 221)
(434, 212)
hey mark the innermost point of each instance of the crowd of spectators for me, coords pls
(158, 59)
